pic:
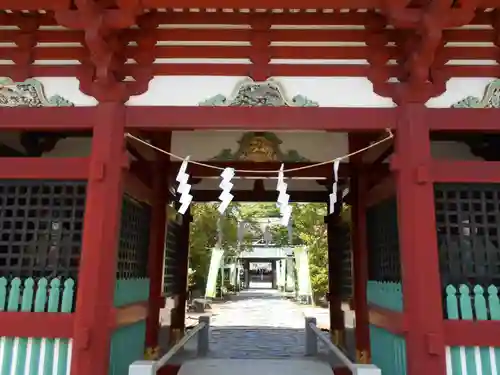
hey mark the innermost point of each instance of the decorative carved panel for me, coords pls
(268, 93)
(263, 146)
(484, 145)
(490, 99)
(29, 93)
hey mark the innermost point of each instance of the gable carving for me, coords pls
(490, 99)
(259, 147)
(29, 93)
(269, 93)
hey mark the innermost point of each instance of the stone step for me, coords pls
(289, 366)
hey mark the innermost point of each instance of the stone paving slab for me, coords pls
(256, 324)
(251, 367)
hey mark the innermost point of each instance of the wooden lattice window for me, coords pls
(383, 241)
(170, 270)
(468, 226)
(41, 224)
(134, 239)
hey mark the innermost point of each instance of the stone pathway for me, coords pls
(258, 323)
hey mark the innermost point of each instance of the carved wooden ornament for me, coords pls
(490, 99)
(259, 146)
(29, 93)
(268, 93)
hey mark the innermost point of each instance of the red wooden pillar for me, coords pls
(418, 243)
(159, 201)
(358, 190)
(337, 333)
(178, 313)
(96, 279)
(360, 266)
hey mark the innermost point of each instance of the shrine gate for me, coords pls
(91, 246)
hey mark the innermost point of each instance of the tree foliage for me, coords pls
(308, 227)
(204, 237)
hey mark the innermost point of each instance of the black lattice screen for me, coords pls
(173, 232)
(134, 239)
(468, 226)
(342, 244)
(383, 241)
(41, 225)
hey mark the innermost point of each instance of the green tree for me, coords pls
(308, 227)
(311, 230)
(308, 230)
(204, 237)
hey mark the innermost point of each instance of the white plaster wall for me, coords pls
(68, 88)
(327, 91)
(458, 89)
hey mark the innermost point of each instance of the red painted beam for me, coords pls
(471, 333)
(464, 171)
(273, 70)
(218, 18)
(392, 321)
(240, 52)
(36, 324)
(281, 4)
(284, 70)
(463, 119)
(47, 118)
(243, 52)
(35, 4)
(44, 168)
(276, 118)
(238, 35)
(264, 4)
(264, 118)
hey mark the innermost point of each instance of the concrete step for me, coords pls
(286, 366)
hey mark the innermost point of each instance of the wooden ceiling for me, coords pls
(255, 43)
